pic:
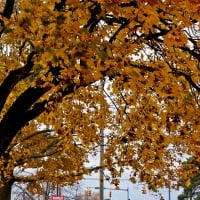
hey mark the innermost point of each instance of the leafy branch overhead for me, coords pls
(74, 67)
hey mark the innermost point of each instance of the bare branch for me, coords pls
(34, 156)
(29, 137)
(41, 178)
(24, 191)
(13, 78)
(36, 133)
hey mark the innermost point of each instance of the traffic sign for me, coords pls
(57, 197)
(99, 188)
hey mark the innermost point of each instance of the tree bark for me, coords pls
(5, 191)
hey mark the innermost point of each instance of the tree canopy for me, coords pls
(71, 68)
(191, 191)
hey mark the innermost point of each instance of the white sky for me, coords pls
(135, 190)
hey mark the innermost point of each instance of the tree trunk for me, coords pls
(5, 191)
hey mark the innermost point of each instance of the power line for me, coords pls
(94, 179)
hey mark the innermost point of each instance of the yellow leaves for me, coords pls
(175, 38)
(177, 91)
(73, 2)
(148, 16)
(78, 67)
(97, 75)
(35, 188)
(2, 68)
(37, 68)
(187, 183)
(152, 2)
(192, 6)
(147, 103)
(46, 57)
(144, 190)
(133, 180)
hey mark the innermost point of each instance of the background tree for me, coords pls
(191, 191)
(63, 63)
(21, 192)
(191, 188)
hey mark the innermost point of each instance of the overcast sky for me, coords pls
(135, 190)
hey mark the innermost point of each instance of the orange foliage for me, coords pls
(69, 69)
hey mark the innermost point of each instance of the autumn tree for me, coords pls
(69, 192)
(69, 68)
(20, 193)
(192, 191)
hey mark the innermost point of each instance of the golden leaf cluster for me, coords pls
(130, 67)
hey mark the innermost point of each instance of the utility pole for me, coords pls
(169, 190)
(23, 195)
(101, 173)
(128, 194)
(58, 190)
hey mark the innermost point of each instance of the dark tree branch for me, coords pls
(1, 26)
(19, 114)
(34, 156)
(185, 75)
(155, 36)
(37, 133)
(13, 78)
(50, 145)
(143, 67)
(95, 10)
(25, 109)
(8, 9)
(46, 131)
(60, 5)
(129, 4)
(191, 52)
(25, 191)
(189, 79)
(32, 179)
(45, 152)
(36, 110)
(124, 22)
